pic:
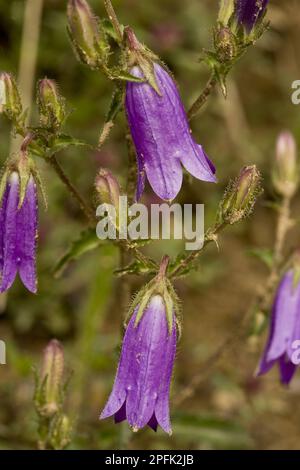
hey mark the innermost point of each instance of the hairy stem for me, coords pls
(211, 236)
(114, 20)
(201, 100)
(88, 212)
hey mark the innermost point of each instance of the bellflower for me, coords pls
(249, 12)
(284, 330)
(18, 234)
(162, 137)
(141, 390)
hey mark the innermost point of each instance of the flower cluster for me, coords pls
(162, 138)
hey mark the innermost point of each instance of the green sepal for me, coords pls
(3, 183)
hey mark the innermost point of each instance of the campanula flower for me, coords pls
(284, 329)
(142, 385)
(162, 136)
(18, 234)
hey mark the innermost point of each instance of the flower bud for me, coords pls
(240, 196)
(51, 104)
(86, 34)
(108, 188)
(50, 382)
(225, 44)
(285, 172)
(225, 12)
(10, 100)
(250, 14)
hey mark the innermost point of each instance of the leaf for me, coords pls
(114, 108)
(64, 141)
(136, 267)
(87, 241)
(264, 254)
(116, 104)
(108, 29)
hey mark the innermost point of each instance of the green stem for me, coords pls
(211, 236)
(114, 20)
(88, 212)
(201, 100)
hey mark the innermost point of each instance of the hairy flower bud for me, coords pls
(86, 34)
(51, 104)
(10, 100)
(50, 381)
(225, 44)
(240, 196)
(107, 187)
(285, 171)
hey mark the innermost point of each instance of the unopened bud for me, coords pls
(241, 195)
(52, 377)
(10, 100)
(108, 188)
(51, 104)
(225, 45)
(285, 172)
(86, 34)
(225, 12)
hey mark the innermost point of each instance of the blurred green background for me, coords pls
(83, 308)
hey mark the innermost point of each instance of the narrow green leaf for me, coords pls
(86, 242)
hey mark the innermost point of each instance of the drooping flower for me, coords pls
(141, 390)
(18, 233)
(162, 137)
(284, 329)
(249, 12)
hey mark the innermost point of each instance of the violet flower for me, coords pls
(141, 390)
(249, 12)
(162, 136)
(284, 330)
(18, 234)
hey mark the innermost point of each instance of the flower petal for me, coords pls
(10, 260)
(284, 314)
(27, 236)
(2, 225)
(287, 369)
(151, 338)
(162, 406)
